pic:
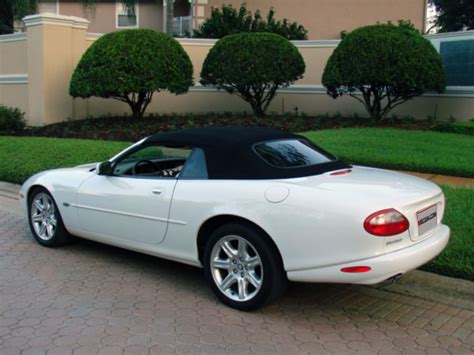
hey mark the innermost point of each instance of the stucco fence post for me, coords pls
(55, 45)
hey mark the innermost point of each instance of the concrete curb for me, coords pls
(436, 288)
(9, 190)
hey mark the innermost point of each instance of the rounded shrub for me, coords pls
(130, 65)
(11, 119)
(254, 66)
(383, 66)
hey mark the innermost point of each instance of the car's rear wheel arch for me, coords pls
(217, 221)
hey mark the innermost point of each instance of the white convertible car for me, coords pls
(254, 207)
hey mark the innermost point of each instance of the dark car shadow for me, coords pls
(299, 300)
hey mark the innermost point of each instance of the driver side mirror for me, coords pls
(104, 168)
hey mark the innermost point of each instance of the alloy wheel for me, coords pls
(43, 216)
(236, 268)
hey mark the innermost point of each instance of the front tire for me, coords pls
(243, 267)
(45, 220)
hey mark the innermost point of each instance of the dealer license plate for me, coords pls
(427, 219)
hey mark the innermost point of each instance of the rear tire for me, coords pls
(45, 221)
(243, 267)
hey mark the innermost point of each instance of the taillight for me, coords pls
(356, 269)
(386, 223)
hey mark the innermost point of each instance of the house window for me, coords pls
(124, 18)
(458, 59)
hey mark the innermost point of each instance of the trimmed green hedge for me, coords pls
(11, 119)
(253, 66)
(130, 66)
(458, 127)
(384, 61)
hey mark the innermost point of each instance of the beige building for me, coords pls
(36, 67)
(324, 19)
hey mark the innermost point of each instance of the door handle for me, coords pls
(157, 192)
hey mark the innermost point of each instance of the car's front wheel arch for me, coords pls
(60, 236)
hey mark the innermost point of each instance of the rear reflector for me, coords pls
(386, 223)
(356, 269)
(341, 172)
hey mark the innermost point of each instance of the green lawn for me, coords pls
(458, 258)
(21, 157)
(422, 151)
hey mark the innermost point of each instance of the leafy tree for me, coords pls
(454, 15)
(254, 66)
(11, 10)
(130, 66)
(228, 20)
(383, 66)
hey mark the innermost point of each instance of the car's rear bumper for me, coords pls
(382, 267)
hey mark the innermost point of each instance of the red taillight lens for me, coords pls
(356, 269)
(386, 223)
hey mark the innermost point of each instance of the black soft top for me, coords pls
(230, 154)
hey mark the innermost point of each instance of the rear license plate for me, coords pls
(427, 219)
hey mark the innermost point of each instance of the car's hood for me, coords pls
(86, 166)
(373, 184)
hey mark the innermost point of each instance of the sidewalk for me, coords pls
(454, 181)
(9, 197)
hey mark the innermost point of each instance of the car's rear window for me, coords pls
(291, 153)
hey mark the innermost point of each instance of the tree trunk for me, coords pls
(136, 110)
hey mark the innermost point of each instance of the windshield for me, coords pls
(291, 153)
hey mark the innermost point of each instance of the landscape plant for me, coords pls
(11, 119)
(130, 66)
(228, 20)
(382, 66)
(253, 66)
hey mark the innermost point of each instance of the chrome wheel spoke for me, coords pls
(53, 221)
(37, 218)
(253, 262)
(221, 264)
(38, 205)
(42, 229)
(242, 249)
(49, 230)
(242, 283)
(228, 281)
(254, 281)
(50, 206)
(229, 249)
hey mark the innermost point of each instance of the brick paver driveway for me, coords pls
(88, 298)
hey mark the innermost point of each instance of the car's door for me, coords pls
(133, 203)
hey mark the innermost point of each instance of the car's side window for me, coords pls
(153, 161)
(195, 167)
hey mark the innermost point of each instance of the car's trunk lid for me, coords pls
(420, 201)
